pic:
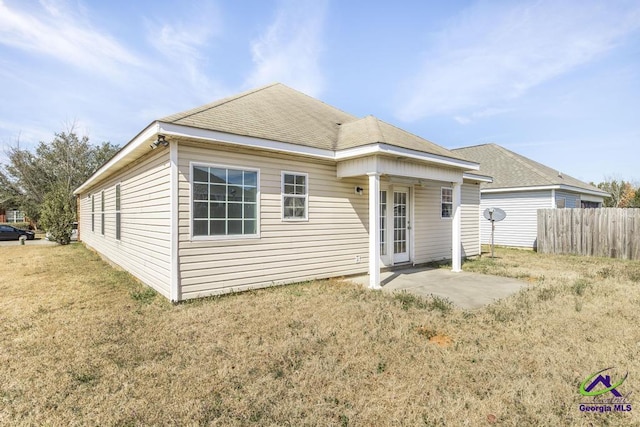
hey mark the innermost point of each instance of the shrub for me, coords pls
(58, 214)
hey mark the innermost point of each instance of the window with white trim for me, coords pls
(118, 217)
(102, 213)
(224, 201)
(294, 196)
(383, 222)
(561, 202)
(446, 202)
(93, 213)
(14, 215)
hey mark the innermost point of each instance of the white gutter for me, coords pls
(476, 177)
(547, 187)
(170, 129)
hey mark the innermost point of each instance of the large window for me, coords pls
(118, 212)
(225, 201)
(102, 212)
(294, 196)
(446, 202)
(15, 216)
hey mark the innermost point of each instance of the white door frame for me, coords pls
(406, 255)
(389, 259)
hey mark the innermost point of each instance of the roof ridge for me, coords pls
(523, 161)
(473, 146)
(222, 101)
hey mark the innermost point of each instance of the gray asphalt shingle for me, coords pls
(510, 169)
(277, 112)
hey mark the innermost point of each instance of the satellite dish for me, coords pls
(494, 215)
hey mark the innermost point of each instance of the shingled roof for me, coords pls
(277, 112)
(510, 169)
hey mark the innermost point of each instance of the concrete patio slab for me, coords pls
(466, 290)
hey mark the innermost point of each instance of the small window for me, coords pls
(561, 202)
(446, 202)
(93, 214)
(224, 201)
(118, 212)
(102, 213)
(294, 196)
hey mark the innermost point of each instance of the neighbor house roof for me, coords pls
(511, 170)
(277, 112)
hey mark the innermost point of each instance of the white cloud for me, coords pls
(487, 112)
(56, 30)
(185, 42)
(289, 50)
(496, 52)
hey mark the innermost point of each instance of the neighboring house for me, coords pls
(11, 215)
(270, 187)
(520, 187)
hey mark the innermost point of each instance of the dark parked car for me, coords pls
(8, 232)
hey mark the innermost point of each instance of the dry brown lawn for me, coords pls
(84, 344)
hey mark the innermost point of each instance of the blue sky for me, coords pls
(556, 81)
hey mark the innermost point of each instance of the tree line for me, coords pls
(41, 183)
(623, 193)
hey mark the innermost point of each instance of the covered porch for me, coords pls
(411, 203)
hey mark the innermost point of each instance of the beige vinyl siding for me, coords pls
(145, 221)
(520, 227)
(470, 220)
(285, 252)
(431, 232)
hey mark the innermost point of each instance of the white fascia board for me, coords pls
(241, 140)
(253, 142)
(475, 177)
(132, 145)
(367, 150)
(546, 187)
(171, 129)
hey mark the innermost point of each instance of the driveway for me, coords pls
(466, 290)
(35, 241)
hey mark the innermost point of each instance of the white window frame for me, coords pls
(442, 202)
(15, 214)
(102, 213)
(283, 195)
(192, 165)
(118, 211)
(93, 213)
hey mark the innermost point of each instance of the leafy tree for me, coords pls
(58, 214)
(636, 198)
(628, 195)
(64, 163)
(616, 189)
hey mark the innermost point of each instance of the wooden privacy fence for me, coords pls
(607, 232)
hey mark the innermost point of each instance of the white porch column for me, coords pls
(456, 230)
(374, 230)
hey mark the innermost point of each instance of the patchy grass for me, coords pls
(82, 343)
